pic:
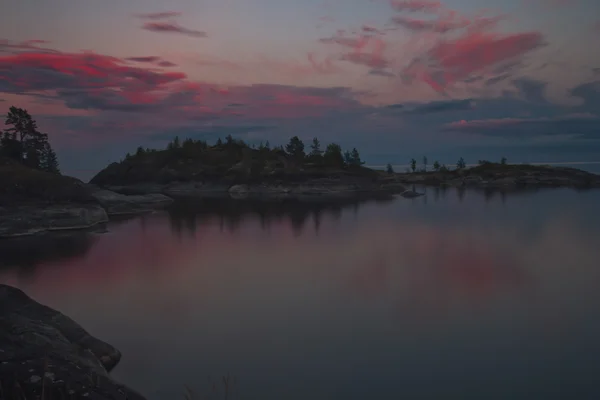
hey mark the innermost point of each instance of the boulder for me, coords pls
(121, 204)
(409, 194)
(46, 355)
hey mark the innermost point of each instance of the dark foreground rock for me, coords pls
(46, 355)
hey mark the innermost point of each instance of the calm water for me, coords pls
(454, 295)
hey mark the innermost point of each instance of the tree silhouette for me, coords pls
(413, 165)
(355, 158)
(461, 163)
(424, 163)
(436, 166)
(49, 161)
(333, 155)
(23, 142)
(503, 161)
(347, 158)
(315, 148)
(295, 148)
(389, 169)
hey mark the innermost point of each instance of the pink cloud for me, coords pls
(172, 27)
(450, 61)
(367, 50)
(107, 96)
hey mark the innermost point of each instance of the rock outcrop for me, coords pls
(46, 355)
(33, 219)
(120, 204)
(33, 201)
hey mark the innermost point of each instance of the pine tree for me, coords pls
(315, 148)
(413, 165)
(333, 155)
(355, 158)
(50, 161)
(295, 148)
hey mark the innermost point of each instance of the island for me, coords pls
(46, 355)
(236, 169)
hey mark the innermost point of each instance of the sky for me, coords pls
(478, 79)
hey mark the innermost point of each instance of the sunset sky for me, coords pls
(396, 79)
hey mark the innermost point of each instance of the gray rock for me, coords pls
(409, 194)
(196, 189)
(120, 204)
(33, 219)
(44, 351)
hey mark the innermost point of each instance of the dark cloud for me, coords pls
(7, 46)
(416, 5)
(581, 126)
(147, 59)
(532, 90)
(172, 27)
(590, 94)
(160, 15)
(152, 60)
(434, 106)
(166, 64)
(437, 25)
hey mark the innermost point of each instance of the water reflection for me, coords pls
(186, 215)
(400, 299)
(27, 252)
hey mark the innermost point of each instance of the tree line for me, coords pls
(332, 155)
(460, 164)
(23, 142)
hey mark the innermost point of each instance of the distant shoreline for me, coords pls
(517, 163)
(86, 174)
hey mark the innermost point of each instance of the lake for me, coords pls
(458, 294)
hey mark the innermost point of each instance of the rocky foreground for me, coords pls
(46, 355)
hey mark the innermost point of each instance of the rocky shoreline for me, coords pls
(322, 189)
(497, 176)
(107, 200)
(33, 217)
(46, 355)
